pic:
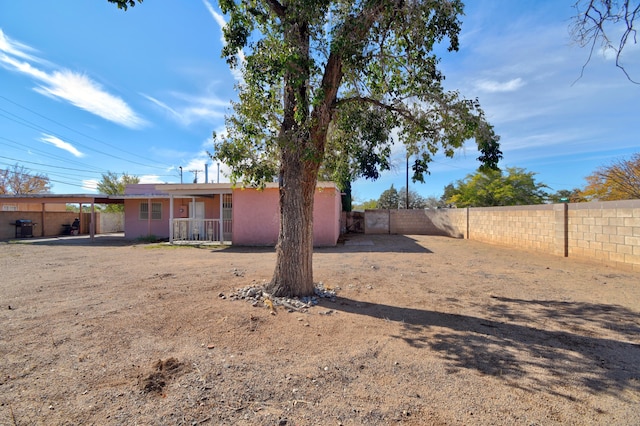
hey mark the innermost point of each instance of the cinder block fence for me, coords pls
(605, 232)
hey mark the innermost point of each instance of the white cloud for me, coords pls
(75, 88)
(150, 179)
(194, 108)
(491, 86)
(59, 143)
(15, 48)
(90, 185)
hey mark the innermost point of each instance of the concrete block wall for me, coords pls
(605, 232)
(526, 227)
(608, 232)
(431, 222)
(376, 221)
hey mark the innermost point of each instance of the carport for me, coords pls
(80, 199)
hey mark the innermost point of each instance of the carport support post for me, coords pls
(92, 222)
(42, 220)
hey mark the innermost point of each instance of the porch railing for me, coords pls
(197, 230)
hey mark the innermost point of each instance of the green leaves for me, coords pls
(490, 187)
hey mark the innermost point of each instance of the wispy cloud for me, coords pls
(90, 185)
(76, 88)
(219, 18)
(492, 86)
(59, 143)
(192, 108)
(151, 179)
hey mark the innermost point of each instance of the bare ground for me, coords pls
(424, 330)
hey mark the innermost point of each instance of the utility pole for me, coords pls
(407, 185)
(195, 172)
(180, 175)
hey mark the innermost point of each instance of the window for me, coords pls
(156, 211)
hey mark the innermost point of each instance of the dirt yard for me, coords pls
(423, 331)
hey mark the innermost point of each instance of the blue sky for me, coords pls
(86, 88)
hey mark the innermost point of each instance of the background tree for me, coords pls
(567, 196)
(433, 202)
(18, 181)
(311, 65)
(495, 188)
(112, 184)
(416, 201)
(366, 205)
(389, 199)
(618, 181)
(607, 24)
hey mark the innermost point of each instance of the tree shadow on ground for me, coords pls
(375, 243)
(537, 352)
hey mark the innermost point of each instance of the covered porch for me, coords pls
(202, 214)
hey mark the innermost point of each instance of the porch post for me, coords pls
(171, 219)
(221, 224)
(192, 217)
(149, 209)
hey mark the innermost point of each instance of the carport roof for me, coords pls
(61, 198)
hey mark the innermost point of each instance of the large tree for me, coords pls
(619, 180)
(17, 181)
(315, 70)
(319, 70)
(497, 188)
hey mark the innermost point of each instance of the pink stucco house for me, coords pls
(218, 212)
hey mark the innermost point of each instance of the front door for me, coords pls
(196, 211)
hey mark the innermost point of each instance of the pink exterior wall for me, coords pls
(327, 211)
(134, 227)
(256, 216)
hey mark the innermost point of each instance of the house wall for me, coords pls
(327, 213)
(134, 227)
(256, 217)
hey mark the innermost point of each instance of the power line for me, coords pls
(72, 129)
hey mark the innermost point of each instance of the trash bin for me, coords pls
(24, 228)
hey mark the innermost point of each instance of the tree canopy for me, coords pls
(112, 184)
(496, 188)
(619, 180)
(342, 81)
(389, 199)
(18, 181)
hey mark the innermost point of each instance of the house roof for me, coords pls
(138, 191)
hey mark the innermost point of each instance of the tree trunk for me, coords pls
(293, 275)
(301, 147)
